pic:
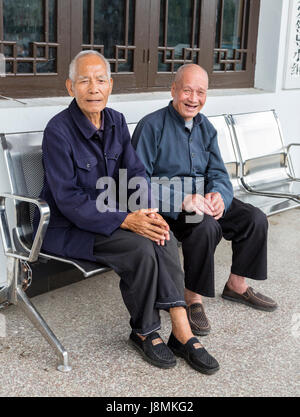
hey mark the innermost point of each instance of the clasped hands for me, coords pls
(211, 204)
(149, 223)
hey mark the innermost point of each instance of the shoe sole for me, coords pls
(268, 309)
(200, 332)
(149, 360)
(198, 368)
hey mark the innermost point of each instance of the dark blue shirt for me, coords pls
(168, 149)
(75, 156)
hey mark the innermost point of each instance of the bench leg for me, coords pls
(16, 295)
(40, 324)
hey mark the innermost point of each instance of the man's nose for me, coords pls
(194, 96)
(93, 87)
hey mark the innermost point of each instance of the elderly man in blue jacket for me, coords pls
(83, 145)
(179, 142)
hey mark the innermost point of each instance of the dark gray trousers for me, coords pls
(244, 225)
(151, 276)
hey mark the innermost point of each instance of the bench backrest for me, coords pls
(259, 142)
(23, 159)
(227, 147)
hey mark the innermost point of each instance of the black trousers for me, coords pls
(151, 276)
(243, 224)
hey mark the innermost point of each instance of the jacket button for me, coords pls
(88, 165)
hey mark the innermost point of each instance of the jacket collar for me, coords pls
(175, 115)
(84, 125)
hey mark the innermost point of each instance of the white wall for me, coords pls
(268, 94)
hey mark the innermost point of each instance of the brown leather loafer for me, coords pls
(198, 320)
(251, 298)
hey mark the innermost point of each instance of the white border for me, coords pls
(292, 46)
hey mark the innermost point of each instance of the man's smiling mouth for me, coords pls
(190, 107)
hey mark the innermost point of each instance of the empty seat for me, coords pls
(233, 162)
(266, 169)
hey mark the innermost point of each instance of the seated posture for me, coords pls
(82, 146)
(179, 142)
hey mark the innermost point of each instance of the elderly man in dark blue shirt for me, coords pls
(178, 141)
(82, 146)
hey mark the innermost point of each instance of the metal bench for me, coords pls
(228, 141)
(23, 161)
(266, 165)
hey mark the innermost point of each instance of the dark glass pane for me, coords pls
(231, 31)
(232, 23)
(127, 66)
(52, 21)
(218, 24)
(25, 67)
(162, 27)
(8, 50)
(8, 67)
(109, 28)
(23, 23)
(86, 22)
(109, 25)
(131, 22)
(50, 65)
(197, 24)
(161, 65)
(177, 32)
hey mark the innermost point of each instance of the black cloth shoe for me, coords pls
(198, 320)
(251, 298)
(195, 354)
(153, 350)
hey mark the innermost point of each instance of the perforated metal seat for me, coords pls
(233, 162)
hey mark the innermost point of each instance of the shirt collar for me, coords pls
(82, 122)
(174, 113)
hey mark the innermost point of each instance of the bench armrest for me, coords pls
(41, 230)
(289, 146)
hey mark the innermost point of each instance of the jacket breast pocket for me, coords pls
(86, 170)
(200, 161)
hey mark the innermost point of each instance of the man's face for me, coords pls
(91, 87)
(189, 92)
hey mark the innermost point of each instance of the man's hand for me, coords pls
(147, 223)
(198, 204)
(165, 227)
(217, 202)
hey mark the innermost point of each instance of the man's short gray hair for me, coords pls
(72, 67)
(181, 69)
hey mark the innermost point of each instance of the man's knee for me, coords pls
(257, 218)
(209, 228)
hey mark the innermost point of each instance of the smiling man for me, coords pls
(179, 142)
(82, 144)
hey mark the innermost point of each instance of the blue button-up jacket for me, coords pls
(74, 159)
(168, 149)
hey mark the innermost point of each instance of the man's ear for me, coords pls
(111, 81)
(69, 86)
(173, 89)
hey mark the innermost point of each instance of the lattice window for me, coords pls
(28, 36)
(108, 27)
(230, 53)
(179, 41)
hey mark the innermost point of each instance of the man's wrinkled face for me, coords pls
(189, 92)
(91, 86)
